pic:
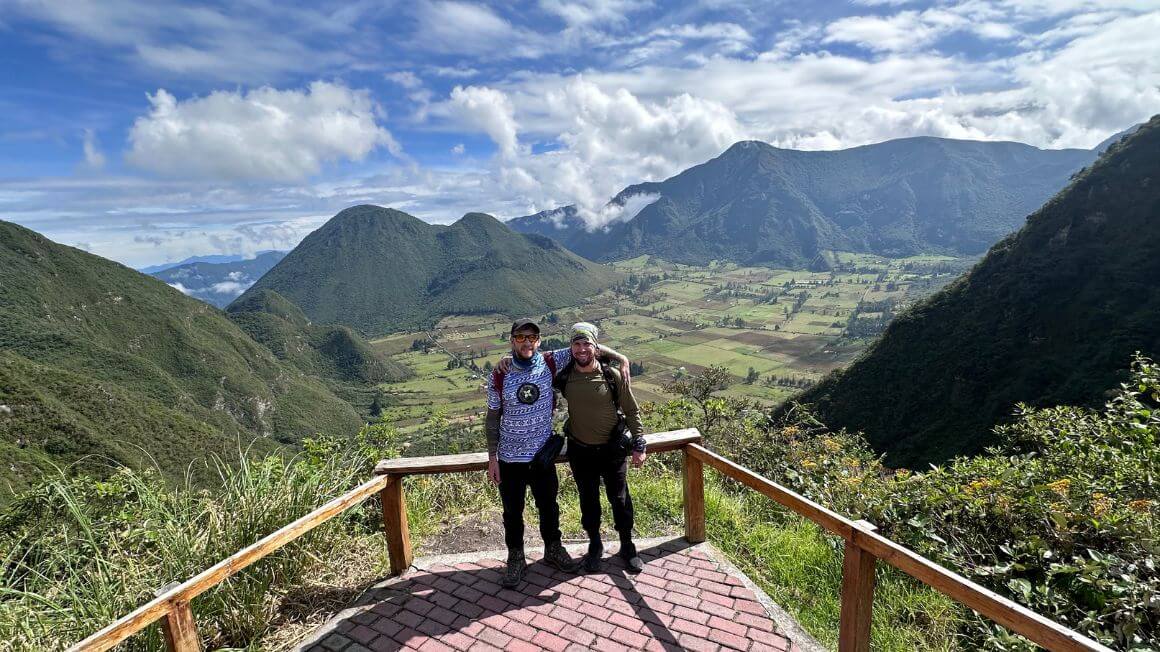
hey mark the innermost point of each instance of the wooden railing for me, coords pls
(863, 549)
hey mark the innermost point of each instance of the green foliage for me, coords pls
(699, 388)
(1060, 515)
(377, 270)
(1046, 318)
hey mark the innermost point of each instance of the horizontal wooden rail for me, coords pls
(830, 520)
(658, 442)
(180, 595)
(861, 537)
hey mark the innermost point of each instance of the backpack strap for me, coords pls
(497, 383)
(560, 380)
(610, 380)
(550, 360)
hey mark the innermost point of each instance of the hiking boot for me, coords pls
(556, 556)
(516, 567)
(632, 561)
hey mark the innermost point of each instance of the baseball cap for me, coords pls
(524, 323)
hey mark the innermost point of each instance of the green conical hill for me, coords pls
(378, 269)
(1050, 316)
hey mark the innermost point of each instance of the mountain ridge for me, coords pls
(758, 204)
(379, 269)
(1051, 315)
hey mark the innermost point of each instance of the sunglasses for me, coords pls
(520, 337)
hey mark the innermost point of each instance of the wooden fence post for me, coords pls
(857, 595)
(693, 472)
(178, 626)
(395, 526)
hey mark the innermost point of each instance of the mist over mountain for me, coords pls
(1052, 315)
(378, 269)
(218, 283)
(756, 204)
(101, 363)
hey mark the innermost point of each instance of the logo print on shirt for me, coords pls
(528, 393)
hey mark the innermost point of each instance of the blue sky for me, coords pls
(149, 131)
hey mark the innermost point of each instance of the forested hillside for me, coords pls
(1046, 318)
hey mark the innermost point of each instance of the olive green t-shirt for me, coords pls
(591, 414)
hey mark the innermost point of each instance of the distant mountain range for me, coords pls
(99, 362)
(208, 258)
(377, 269)
(217, 282)
(1052, 315)
(756, 204)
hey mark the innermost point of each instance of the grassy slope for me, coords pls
(1048, 317)
(89, 346)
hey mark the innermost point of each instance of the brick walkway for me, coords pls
(684, 600)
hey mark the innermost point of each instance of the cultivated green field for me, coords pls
(790, 326)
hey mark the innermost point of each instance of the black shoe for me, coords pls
(632, 561)
(516, 567)
(591, 562)
(556, 556)
(591, 559)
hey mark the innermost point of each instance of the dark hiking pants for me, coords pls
(514, 480)
(591, 465)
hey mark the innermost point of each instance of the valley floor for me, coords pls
(776, 331)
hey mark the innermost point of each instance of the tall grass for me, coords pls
(80, 552)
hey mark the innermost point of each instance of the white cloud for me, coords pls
(587, 12)
(260, 134)
(609, 139)
(458, 149)
(451, 27)
(405, 78)
(626, 208)
(93, 156)
(181, 288)
(491, 111)
(915, 30)
(246, 42)
(229, 288)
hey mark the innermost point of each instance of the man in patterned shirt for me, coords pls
(520, 402)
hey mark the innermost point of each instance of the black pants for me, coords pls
(590, 465)
(514, 480)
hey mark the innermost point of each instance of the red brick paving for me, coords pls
(683, 601)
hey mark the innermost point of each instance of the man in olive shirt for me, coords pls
(602, 414)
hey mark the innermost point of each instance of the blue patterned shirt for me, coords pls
(526, 406)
